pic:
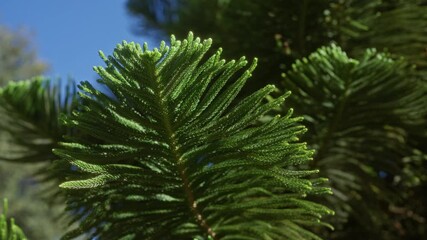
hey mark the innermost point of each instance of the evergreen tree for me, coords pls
(172, 154)
(300, 27)
(249, 28)
(295, 27)
(18, 60)
(178, 149)
(358, 113)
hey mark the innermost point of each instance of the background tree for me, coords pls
(296, 28)
(18, 60)
(359, 112)
(249, 28)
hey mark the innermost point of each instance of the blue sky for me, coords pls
(68, 34)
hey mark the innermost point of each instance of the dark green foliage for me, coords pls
(251, 28)
(30, 111)
(8, 229)
(177, 157)
(295, 27)
(19, 60)
(180, 148)
(358, 113)
(299, 27)
(396, 26)
(38, 218)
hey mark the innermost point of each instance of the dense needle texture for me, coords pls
(359, 112)
(175, 155)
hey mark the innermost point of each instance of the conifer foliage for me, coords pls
(30, 113)
(8, 229)
(174, 155)
(358, 113)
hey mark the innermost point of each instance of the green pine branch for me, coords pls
(176, 156)
(358, 113)
(8, 229)
(30, 112)
(397, 27)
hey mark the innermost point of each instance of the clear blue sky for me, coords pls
(68, 34)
